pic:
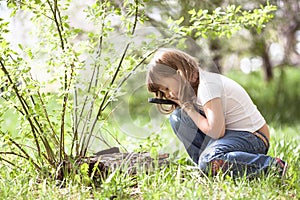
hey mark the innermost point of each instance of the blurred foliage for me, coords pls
(222, 21)
(215, 53)
(277, 100)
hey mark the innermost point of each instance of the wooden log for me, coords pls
(109, 160)
(129, 163)
(126, 162)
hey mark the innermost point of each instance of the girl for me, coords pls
(214, 117)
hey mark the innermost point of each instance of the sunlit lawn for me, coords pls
(178, 181)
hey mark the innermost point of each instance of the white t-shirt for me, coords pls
(239, 111)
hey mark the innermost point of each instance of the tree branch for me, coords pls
(130, 73)
(12, 153)
(84, 149)
(57, 22)
(67, 82)
(23, 104)
(26, 155)
(9, 162)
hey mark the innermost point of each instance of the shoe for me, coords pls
(283, 166)
(218, 166)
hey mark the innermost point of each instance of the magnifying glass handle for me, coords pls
(161, 101)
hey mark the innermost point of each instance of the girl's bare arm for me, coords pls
(214, 123)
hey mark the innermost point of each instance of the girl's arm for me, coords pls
(214, 123)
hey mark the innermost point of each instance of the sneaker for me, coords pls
(218, 166)
(282, 165)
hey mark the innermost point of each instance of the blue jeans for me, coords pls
(238, 152)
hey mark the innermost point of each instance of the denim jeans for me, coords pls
(241, 151)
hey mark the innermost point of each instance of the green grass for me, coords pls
(180, 180)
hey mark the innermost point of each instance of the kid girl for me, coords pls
(214, 117)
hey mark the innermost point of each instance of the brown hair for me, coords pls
(166, 63)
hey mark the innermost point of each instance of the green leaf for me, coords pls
(192, 12)
(20, 46)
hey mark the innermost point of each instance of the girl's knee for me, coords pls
(203, 166)
(175, 116)
(179, 117)
(175, 119)
(203, 162)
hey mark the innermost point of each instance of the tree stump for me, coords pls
(130, 163)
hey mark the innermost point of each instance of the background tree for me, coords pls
(282, 30)
(288, 25)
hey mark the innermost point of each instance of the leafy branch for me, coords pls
(222, 21)
(67, 81)
(34, 123)
(107, 93)
(24, 154)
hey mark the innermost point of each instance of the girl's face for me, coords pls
(170, 86)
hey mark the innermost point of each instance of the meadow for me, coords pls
(277, 100)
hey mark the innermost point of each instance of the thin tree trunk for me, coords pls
(267, 66)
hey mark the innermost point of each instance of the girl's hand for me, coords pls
(176, 101)
(186, 94)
